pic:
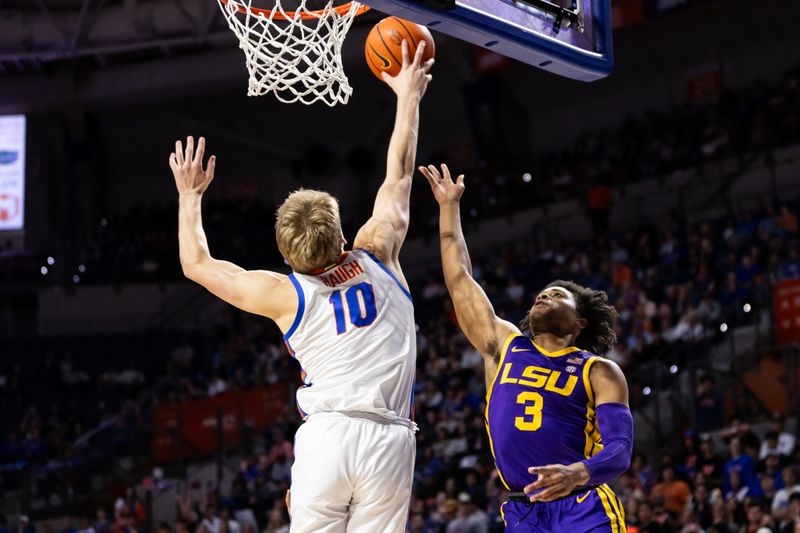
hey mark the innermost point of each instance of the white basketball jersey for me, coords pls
(354, 336)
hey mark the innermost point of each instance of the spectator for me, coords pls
(708, 405)
(470, 519)
(786, 441)
(701, 506)
(101, 523)
(743, 468)
(791, 524)
(673, 492)
(769, 446)
(757, 518)
(780, 503)
(710, 464)
(649, 521)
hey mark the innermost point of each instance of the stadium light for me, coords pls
(81, 268)
(44, 270)
(51, 260)
(723, 327)
(746, 308)
(647, 391)
(76, 279)
(527, 177)
(673, 369)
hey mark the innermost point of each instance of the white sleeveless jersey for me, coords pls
(354, 336)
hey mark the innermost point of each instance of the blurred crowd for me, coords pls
(671, 285)
(140, 245)
(70, 409)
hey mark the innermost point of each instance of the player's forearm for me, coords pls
(192, 241)
(456, 262)
(403, 144)
(616, 428)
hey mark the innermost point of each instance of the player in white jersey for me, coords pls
(348, 319)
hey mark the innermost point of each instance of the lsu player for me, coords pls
(348, 319)
(557, 415)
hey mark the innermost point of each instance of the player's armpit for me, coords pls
(260, 292)
(608, 382)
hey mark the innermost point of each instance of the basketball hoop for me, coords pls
(297, 55)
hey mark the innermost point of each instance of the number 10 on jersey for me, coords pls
(358, 303)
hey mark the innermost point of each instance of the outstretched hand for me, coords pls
(187, 167)
(556, 481)
(413, 76)
(444, 188)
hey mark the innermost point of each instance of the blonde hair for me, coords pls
(308, 230)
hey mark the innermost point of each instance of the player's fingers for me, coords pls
(460, 180)
(418, 54)
(212, 163)
(434, 172)
(549, 494)
(198, 155)
(446, 172)
(189, 148)
(404, 48)
(428, 64)
(173, 163)
(542, 470)
(428, 176)
(542, 482)
(179, 152)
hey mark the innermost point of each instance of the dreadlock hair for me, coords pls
(598, 336)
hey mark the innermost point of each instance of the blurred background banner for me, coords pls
(12, 172)
(626, 13)
(198, 428)
(787, 311)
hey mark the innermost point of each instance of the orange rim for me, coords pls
(287, 15)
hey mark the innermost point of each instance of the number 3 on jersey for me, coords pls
(532, 420)
(361, 308)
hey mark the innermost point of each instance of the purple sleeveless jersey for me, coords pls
(540, 411)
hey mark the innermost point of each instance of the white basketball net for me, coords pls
(299, 60)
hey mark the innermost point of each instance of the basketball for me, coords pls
(384, 45)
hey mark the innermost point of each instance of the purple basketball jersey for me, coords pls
(540, 410)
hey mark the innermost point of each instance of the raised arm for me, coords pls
(264, 293)
(474, 311)
(385, 231)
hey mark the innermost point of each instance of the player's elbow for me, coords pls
(195, 270)
(455, 277)
(190, 268)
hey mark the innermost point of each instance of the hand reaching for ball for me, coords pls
(413, 77)
(400, 53)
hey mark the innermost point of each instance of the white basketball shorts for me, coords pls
(351, 474)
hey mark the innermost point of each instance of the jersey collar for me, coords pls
(338, 262)
(559, 353)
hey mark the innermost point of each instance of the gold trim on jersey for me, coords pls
(614, 505)
(612, 517)
(489, 397)
(558, 353)
(593, 441)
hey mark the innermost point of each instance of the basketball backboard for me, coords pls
(571, 38)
